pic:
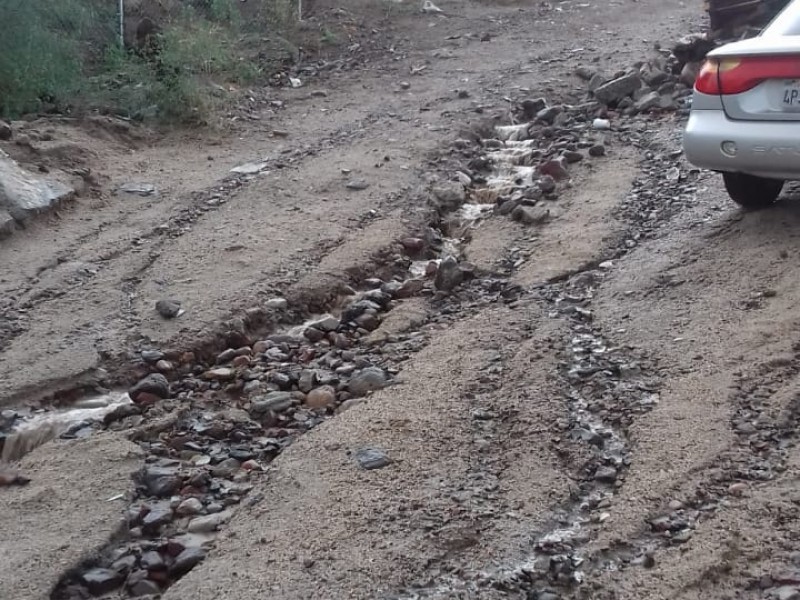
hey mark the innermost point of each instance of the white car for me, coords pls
(745, 117)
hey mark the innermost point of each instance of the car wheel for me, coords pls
(751, 192)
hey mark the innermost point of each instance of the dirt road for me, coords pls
(606, 407)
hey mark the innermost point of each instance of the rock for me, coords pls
(226, 469)
(156, 517)
(367, 380)
(573, 156)
(531, 107)
(153, 561)
(22, 195)
(5, 131)
(123, 411)
(220, 374)
(652, 75)
(689, 73)
(250, 168)
(449, 197)
(169, 309)
(549, 114)
(617, 89)
(647, 102)
(357, 184)
(151, 356)
(737, 489)
(601, 124)
(327, 323)
(208, 523)
(101, 581)
(161, 482)
(154, 384)
(139, 585)
(449, 275)
(785, 592)
(596, 81)
(606, 475)
(413, 246)
(555, 169)
(531, 215)
(138, 189)
(165, 366)
(313, 335)
(189, 507)
(597, 151)
(277, 304)
(370, 459)
(272, 402)
(186, 561)
(9, 478)
(585, 72)
(321, 397)
(7, 223)
(410, 288)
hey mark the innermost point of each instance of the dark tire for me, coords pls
(751, 192)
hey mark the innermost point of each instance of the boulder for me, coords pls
(23, 195)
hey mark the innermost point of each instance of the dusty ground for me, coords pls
(488, 483)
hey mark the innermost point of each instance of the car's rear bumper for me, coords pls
(766, 149)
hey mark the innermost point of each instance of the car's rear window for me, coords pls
(787, 23)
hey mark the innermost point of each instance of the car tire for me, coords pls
(751, 192)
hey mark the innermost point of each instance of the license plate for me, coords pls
(791, 94)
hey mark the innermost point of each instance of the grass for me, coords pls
(64, 55)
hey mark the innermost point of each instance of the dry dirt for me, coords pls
(485, 471)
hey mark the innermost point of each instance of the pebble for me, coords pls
(274, 402)
(555, 169)
(190, 507)
(597, 151)
(321, 397)
(367, 380)
(601, 124)
(357, 184)
(168, 309)
(531, 216)
(277, 304)
(101, 581)
(151, 356)
(370, 459)
(209, 523)
(187, 560)
(154, 384)
(139, 585)
(606, 474)
(449, 275)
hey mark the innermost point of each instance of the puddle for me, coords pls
(33, 430)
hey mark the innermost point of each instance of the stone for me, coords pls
(23, 195)
(123, 411)
(785, 592)
(7, 223)
(226, 469)
(272, 402)
(357, 184)
(156, 517)
(647, 102)
(139, 585)
(555, 169)
(161, 482)
(689, 73)
(371, 459)
(596, 81)
(532, 106)
(597, 151)
(307, 380)
(152, 561)
(549, 114)
(250, 168)
(139, 189)
(367, 380)
(208, 523)
(321, 397)
(531, 215)
(617, 89)
(449, 197)
(413, 246)
(449, 275)
(585, 72)
(606, 475)
(277, 304)
(155, 384)
(168, 309)
(220, 374)
(410, 288)
(328, 323)
(189, 507)
(6, 132)
(151, 356)
(101, 581)
(737, 489)
(572, 156)
(186, 561)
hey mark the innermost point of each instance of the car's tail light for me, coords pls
(725, 76)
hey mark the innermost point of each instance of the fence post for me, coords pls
(122, 24)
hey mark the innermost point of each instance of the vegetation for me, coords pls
(65, 55)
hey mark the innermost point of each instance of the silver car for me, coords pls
(745, 118)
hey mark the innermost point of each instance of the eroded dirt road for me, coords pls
(605, 408)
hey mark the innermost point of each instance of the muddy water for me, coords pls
(39, 428)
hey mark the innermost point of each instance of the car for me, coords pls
(745, 116)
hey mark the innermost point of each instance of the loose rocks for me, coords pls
(370, 459)
(152, 386)
(168, 309)
(366, 381)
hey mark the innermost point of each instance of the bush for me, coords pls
(66, 53)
